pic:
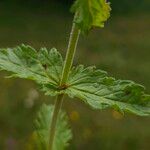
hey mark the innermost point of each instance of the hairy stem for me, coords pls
(74, 36)
(58, 104)
(73, 40)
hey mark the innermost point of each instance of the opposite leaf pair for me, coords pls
(91, 85)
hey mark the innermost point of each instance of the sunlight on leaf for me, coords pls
(91, 13)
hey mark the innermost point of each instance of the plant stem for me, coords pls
(73, 40)
(74, 36)
(58, 104)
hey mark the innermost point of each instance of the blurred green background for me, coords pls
(122, 48)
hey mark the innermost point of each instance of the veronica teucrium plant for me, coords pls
(57, 77)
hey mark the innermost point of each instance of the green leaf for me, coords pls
(101, 91)
(43, 66)
(93, 86)
(91, 13)
(42, 124)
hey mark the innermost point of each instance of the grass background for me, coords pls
(122, 48)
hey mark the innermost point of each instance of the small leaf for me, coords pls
(101, 91)
(91, 13)
(43, 66)
(42, 125)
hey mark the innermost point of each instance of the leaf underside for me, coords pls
(91, 85)
(91, 13)
(42, 129)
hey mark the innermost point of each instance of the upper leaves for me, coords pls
(91, 13)
(43, 66)
(42, 129)
(101, 91)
